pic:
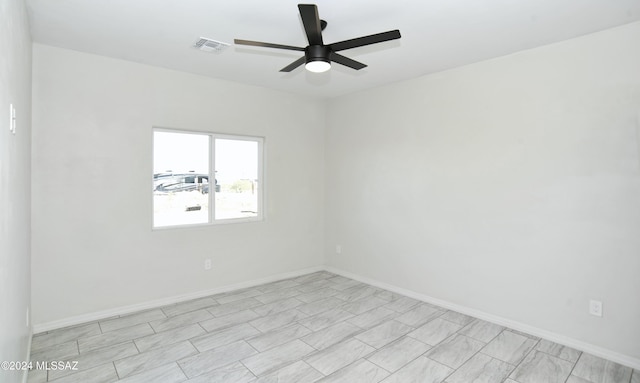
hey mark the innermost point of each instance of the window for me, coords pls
(202, 178)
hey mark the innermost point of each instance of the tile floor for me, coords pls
(317, 327)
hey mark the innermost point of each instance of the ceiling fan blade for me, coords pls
(311, 22)
(365, 40)
(294, 65)
(267, 45)
(340, 59)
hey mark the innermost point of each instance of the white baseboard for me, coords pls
(548, 335)
(25, 373)
(89, 317)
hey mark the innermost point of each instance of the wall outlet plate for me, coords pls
(595, 308)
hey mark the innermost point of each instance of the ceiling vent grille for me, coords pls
(209, 45)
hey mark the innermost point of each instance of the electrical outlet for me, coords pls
(595, 308)
(207, 264)
(338, 249)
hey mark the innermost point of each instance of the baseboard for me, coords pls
(123, 310)
(548, 335)
(27, 357)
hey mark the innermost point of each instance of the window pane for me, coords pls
(180, 179)
(237, 178)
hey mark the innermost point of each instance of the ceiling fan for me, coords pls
(318, 56)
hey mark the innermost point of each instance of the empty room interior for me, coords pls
(362, 191)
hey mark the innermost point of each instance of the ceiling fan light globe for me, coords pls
(318, 66)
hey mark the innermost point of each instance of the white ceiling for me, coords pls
(436, 34)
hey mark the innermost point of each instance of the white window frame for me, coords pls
(212, 180)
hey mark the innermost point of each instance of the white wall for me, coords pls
(93, 247)
(15, 188)
(510, 186)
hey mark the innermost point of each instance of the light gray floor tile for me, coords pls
(293, 373)
(455, 351)
(419, 315)
(278, 295)
(522, 333)
(339, 279)
(435, 331)
(104, 373)
(267, 326)
(558, 350)
(235, 306)
(481, 330)
(37, 376)
(373, 317)
(308, 278)
(231, 297)
(361, 371)
(274, 286)
(114, 337)
(384, 333)
(457, 318)
(131, 320)
(316, 295)
(181, 320)
(325, 319)
(209, 361)
(277, 357)
(402, 304)
(277, 306)
(229, 320)
(277, 337)
(344, 283)
(169, 373)
(169, 337)
(272, 322)
(363, 305)
(509, 347)
(340, 355)
(235, 372)
(481, 369)
(64, 335)
(226, 336)
(599, 370)
(356, 292)
(352, 285)
(539, 367)
(397, 354)
(330, 335)
(321, 305)
(91, 359)
(421, 370)
(314, 277)
(387, 295)
(61, 351)
(155, 358)
(192, 305)
(315, 286)
(573, 379)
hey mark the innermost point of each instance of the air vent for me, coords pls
(209, 45)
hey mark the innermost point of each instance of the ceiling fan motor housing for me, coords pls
(317, 53)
